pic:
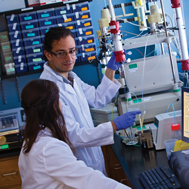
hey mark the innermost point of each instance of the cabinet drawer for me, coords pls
(9, 172)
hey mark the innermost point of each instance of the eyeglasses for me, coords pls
(63, 54)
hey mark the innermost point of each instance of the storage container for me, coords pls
(18, 51)
(35, 66)
(83, 23)
(84, 31)
(15, 35)
(4, 36)
(46, 13)
(11, 19)
(32, 41)
(10, 69)
(44, 30)
(69, 25)
(21, 67)
(14, 27)
(65, 18)
(87, 48)
(6, 47)
(80, 7)
(34, 49)
(17, 43)
(86, 40)
(82, 15)
(63, 10)
(88, 57)
(47, 22)
(19, 59)
(30, 33)
(29, 25)
(34, 57)
(29, 16)
(8, 57)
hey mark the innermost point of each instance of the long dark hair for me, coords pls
(40, 100)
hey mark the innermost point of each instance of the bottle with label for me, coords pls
(176, 132)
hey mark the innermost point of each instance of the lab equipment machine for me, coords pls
(12, 123)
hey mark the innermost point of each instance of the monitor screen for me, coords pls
(185, 114)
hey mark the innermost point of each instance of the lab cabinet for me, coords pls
(113, 166)
(9, 173)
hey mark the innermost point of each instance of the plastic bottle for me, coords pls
(176, 132)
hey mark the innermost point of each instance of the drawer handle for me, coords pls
(4, 175)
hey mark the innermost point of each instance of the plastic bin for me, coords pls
(32, 41)
(15, 35)
(31, 33)
(82, 15)
(8, 57)
(4, 36)
(34, 58)
(35, 66)
(84, 31)
(83, 23)
(46, 13)
(18, 51)
(88, 56)
(19, 59)
(78, 59)
(86, 40)
(14, 27)
(11, 19)
(10, 69)
(47, 22)
(28, 16)
(63, 10)
(87, 48)
(30, 25)
(21, 67)
(34, 49)
(17, 43)
(44, 30)
(80, 7)
(69, 25)
(65, 18)
(6, 47)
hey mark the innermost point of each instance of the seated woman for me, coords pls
(47, 158)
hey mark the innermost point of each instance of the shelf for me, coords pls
(40, 7)
(95, 62)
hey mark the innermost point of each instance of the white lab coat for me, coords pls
(50, 164)
(86, 138)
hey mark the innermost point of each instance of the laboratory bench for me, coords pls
(131, 161)
(123, 163)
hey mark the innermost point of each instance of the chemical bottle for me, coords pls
(176, 132)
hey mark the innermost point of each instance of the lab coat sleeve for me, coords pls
(61, 164)
(101, 96)
(90, 137)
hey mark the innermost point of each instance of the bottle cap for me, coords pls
(175, 127)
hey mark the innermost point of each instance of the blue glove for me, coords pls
(126, 120)
(112, 64)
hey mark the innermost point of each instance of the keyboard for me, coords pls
(159, 178)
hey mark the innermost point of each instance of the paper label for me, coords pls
(90, 41)
(85, 16)
(68, 6)
(64, 17)
(92, 58)
(80, 31)
(89, 49)
(83, 54)
(44, 15)
(14, 26)
(70, 27)
(36, 50)
(84, 9)
(78, 22)
(17, 42)
(16, 34)
(80, 38)
(18, 50)
(87, 24)
(88, 33)
(37, 59)
(19, 58)
(73, 7)
(63, 12)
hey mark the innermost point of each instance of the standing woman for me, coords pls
(47, 158)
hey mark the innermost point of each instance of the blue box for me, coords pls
(31, 33)
(19, 59)
(83, 23)
(86, 40)
(17, 43)
(84, 31)
(21, 67)
(34, 49)
(32, 41)
(11, 19)
(29, 25)
(88, 56)
(80, 7)
(46, 13)
(78, 58)
(18, 51)
(82, 15)
(87, 48)
(14, 27)
(35, 66)
(65, 19)
(34, 57)
(63, 10)
(15, 35)
(47, 22)
(25, 17)
(44, 30)
(69, 25)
